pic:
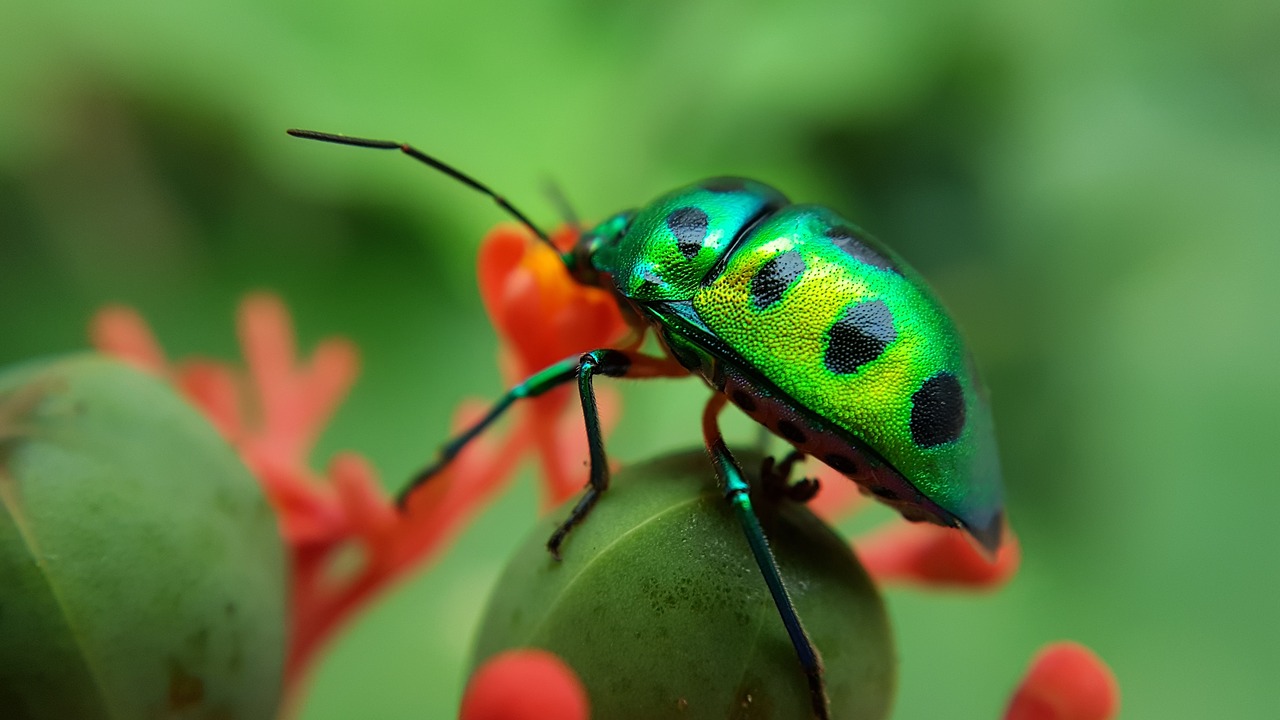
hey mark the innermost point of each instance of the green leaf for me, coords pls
(661, 610)
(141, 572)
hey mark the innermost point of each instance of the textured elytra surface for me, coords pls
(853, 338)
(141, 569)
(838, 323)
(660, 609)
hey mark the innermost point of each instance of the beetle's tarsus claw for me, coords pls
(775, 477)
(803, 490)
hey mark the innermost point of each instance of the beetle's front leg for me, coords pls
(611, 363)
(540, 382)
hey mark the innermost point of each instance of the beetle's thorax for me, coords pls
(667, 249)
(590, 259)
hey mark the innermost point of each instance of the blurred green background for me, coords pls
(1091, 187)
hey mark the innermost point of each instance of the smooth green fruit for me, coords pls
(141, 571)
(660, 609)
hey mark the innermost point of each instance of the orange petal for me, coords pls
(920, 554)
(541, 313)
(323, 384)
(590, 319)
(1066, 681)
(500, 255)
(122, 333)
(525, 685)
(267, 340)
(214, 388)
(425, 502)
(309, 512)
(437, 510)
(370, 514)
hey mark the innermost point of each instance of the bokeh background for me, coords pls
(1091, 187)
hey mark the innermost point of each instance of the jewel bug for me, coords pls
(804, 322)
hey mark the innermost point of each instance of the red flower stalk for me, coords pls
(273, 409)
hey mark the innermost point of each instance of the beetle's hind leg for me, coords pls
(776, 478)
(736, 491)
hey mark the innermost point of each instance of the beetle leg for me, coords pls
(779, 473)
(533, 386)
(597, 362)
(611, 363)
(775, 476)
(803, 490)
(736, 491)
(636, 365)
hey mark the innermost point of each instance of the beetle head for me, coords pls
(591, 260)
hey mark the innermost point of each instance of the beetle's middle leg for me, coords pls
(736, 491)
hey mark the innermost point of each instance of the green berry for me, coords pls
(141, 571)
(661, 610)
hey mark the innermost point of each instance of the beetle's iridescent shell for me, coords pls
(796, 306)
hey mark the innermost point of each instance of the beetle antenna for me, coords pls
(555, 193)
(422, 157)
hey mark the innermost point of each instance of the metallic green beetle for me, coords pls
(816, 331)
(803, 321)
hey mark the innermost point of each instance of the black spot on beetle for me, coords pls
(842, 463)
(937, 411)
(915, 515)
(744, 401)
(689, 225)
(725, 185)
(860, 335)
(849, 240)
(788, 430)
(883, 492)
(774, 277)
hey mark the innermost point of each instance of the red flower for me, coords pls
(1066, 681)
(525, 685)
(272, 410)
(543, 316)
(918, 554)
